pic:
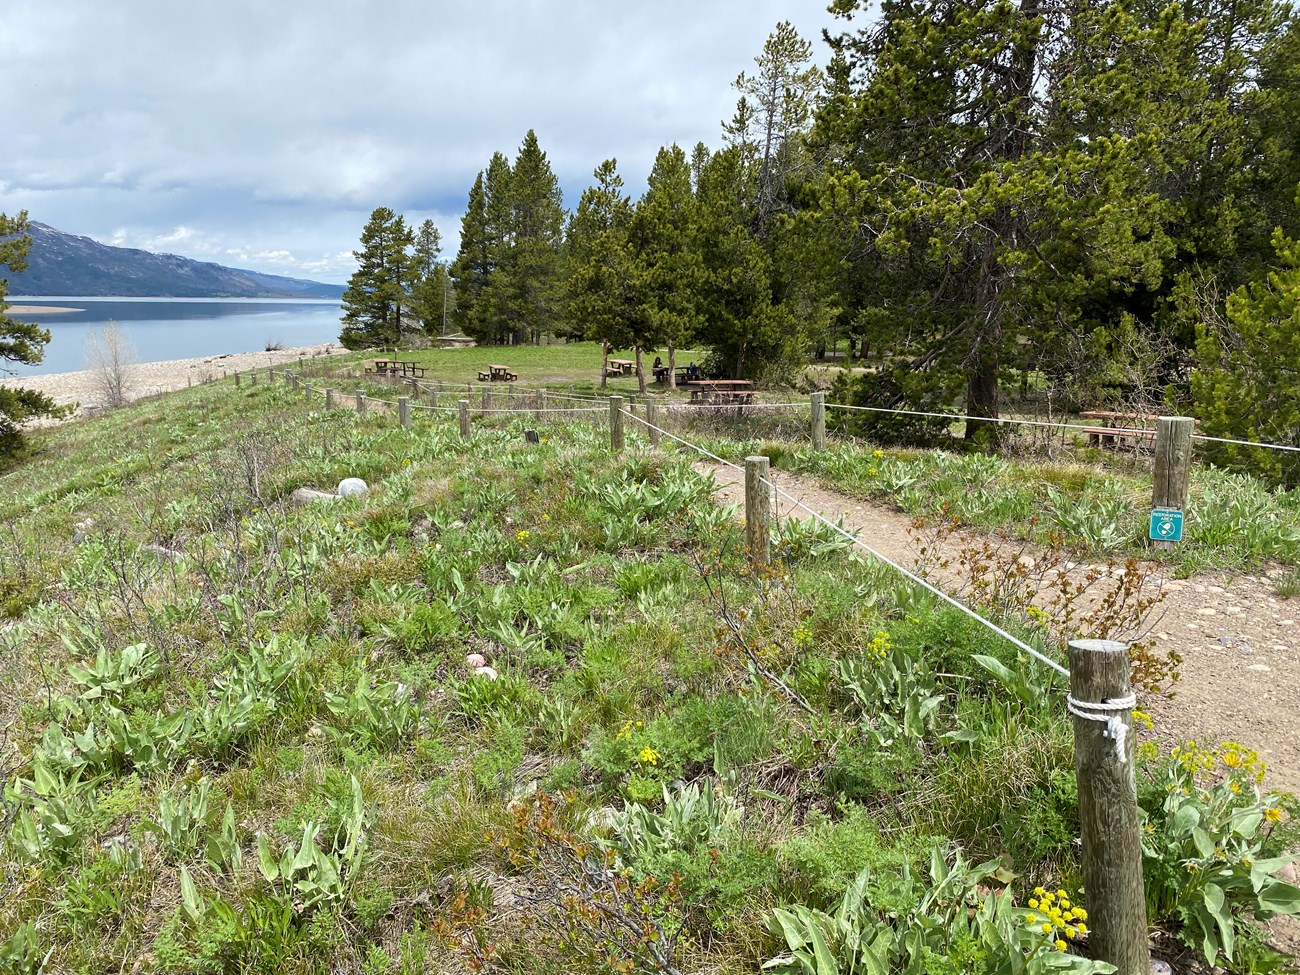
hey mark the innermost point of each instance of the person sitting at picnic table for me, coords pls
(692, 371)
(658, 362)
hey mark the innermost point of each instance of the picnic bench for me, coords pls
(395, 367)
(721, 392)
(497, 374)
(620, 367)
(683, 373)
(1120, 427)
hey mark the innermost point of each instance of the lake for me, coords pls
(177, 328)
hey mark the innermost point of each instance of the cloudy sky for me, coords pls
(262, 134)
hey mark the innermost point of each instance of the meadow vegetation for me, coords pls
(242, 735)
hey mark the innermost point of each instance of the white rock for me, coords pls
(1261, 668)
(352, 485)
(1232, 610)
(475, 660)
(1207, 611)
(486, 671)
(306, 495)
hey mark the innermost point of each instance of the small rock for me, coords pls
(1246, 648)
(1227, 641)
(1159, 967)
(1231, 610)
(1286, 622)
(306, 495)
(1162, 635)
(162, 551)
(1260, 668)
(352, 485)
(475, 660)
(1288, 873)
(486, 671)
(1192, 626)
(1207, 611)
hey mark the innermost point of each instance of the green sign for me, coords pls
(1166, 525)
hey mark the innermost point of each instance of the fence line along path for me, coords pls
(1239, 641)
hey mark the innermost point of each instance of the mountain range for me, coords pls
(64, 264)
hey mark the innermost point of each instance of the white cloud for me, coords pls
(272, 130)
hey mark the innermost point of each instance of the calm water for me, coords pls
(178, 328)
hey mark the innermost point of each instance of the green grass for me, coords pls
(241, 735)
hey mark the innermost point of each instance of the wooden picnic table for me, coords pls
(396, 367)
(737, 392)
(1120, 426)
(682, 372)
(498, 373)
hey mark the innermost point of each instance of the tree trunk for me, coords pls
(640, 371)
(604, 364)
(982, 393)
(672, 365)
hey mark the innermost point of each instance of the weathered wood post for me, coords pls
(252, 379)
(541, 405)
(270, 374)
(306, 390)
(819, 420)
(487, 398)
(404, 411)
(237, 381)
(758, 511)
(361, 402)
(464, 418)
(652, 422)
(329, 399)
(433, 396)
(616, 438)
(1172, 466)
(1101, 703)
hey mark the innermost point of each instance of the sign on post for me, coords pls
(1166, 525)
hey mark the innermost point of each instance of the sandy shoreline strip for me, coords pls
(39, 310)
(151, 378)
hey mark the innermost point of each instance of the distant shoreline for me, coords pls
(151, 378)
(39, 310)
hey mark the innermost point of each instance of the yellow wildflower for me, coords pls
(1273, 814)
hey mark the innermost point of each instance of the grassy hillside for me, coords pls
(246, 735)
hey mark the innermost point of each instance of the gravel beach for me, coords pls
(151, 378)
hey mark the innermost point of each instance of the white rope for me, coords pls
(1116, 729)
(962, 416)
(1247, 443)
(684, 443)
(729, 406)
(1015, 641)
(558, 409)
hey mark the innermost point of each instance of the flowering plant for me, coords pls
(1209, 856)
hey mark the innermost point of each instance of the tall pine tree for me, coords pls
(378, 290)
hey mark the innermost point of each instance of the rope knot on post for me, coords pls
(1116, 729)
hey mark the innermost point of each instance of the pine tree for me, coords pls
(380, 286)
(663, 239)
(1000, 175)
(431, 298)
(528, 288)
(485, 236)
(21, 342)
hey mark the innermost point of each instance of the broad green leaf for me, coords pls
(826, 964)
(1281, 897)
(266, 862)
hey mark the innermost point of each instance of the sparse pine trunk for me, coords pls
(672, 365)
(640, 371)
(604, 364)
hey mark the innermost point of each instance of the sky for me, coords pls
(261, 133)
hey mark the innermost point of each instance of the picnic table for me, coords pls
(498, 374)
(683, 373)
(621, 367)
(728, 392)
(1119, 427)
(396, 367)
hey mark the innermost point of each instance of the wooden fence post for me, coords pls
(1172, 465)
(616, 438)
(306, 390)
(237, 381)
(541, 405)
(404, 411)
(1101, 703)
(464, 418)
(270, 374)
(758, 511)
(252, 378)
(819, 420)
(652, 422)
(487, 398)
(361, 402)
(329, 399)
(433, 396)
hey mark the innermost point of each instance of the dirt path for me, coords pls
(1240, 643)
